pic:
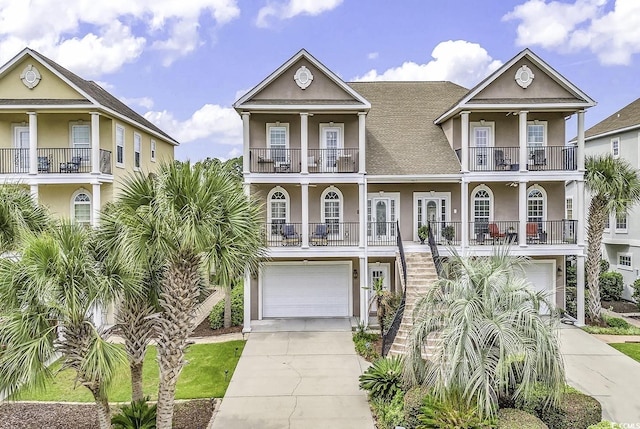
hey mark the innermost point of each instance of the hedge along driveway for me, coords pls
(202, 377)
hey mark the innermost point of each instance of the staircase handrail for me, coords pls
(389, 336)
(434, 252)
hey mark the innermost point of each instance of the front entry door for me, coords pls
(432, 215)
(21, 143)
(376, 272)
(381, 218)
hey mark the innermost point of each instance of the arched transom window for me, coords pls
(82, 208)
(278, 210)
(481, 206)
(535, 206)
(332, 210)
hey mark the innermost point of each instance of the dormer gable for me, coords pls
(305, 83)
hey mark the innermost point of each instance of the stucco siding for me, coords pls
(50, 86)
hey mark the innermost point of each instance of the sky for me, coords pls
(182, 64)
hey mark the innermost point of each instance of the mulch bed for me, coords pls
(204, 330)
(194, 414)
(621, 306)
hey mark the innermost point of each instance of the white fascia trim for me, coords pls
(139, 125)
(297, 178)
(432, 178)
(534, 250)
(55, 179)
(546, 107)
(301, 54)
(315, 252)
(608, 133)
(621, 241)
(40, 107)
(515, 176)
(296, 108)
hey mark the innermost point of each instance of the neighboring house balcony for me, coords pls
(538, 158)
(54, 161)
(332, 234)
(281, 160)
(539, 232)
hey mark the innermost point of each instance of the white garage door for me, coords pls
(540, 275)
(306, 290)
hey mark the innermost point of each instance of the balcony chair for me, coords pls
(495, 234)
(312, 164)
(71, 167)
(498, 155)
(532, 232)
(319, 237)
(539, 158)
(289, 235)
(44, 165)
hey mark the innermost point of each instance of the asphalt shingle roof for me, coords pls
(401, 136)
(626, 117)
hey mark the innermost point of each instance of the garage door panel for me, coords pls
(306, 290)
(540, 275)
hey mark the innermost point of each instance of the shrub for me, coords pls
(576, 411)
(365, 344)
(604, 266)
(616, 322)
(383, 379)
(216, 317)
(510, 418)
(388, 414)
(611, 285)
(606, 424)
(138, 415)
(453, 413)
(391, 303)
(636, 292)
(413, 400)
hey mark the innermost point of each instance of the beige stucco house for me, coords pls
(69, 140)
(347, 171)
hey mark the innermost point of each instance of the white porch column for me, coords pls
(522, 140)
(304, 142)
(95, 143)
(34, 192)
(362, 137)
(362, 210)
(305, 214)
(580, 151)
(580, 286)
(580, 210)
(464, 141)
(33, 142)
(246, 143)
(364, 293)
(96, 202)
(247, 301)
(522, 212)
(464, 214)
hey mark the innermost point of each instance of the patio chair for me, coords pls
(44, 164)
(71, 167)
(498, 155)
(319, 237)
(532, 232)
(289, 235)
(495, 234)
(539, 158)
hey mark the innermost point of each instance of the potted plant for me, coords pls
(423, 233)
(449, 233)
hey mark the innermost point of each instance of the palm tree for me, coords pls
(18, 212)
(185, 221)
(485, 334)
(49, 296)
(615, 187)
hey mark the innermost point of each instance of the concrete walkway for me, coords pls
(297, 374)
(599, 370)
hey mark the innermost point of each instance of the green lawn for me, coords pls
(630, 349)
(202, 377)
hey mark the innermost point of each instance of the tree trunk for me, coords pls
(227, 305)
(104, 412)
(597, 217)
(137, 394)
(178, 300)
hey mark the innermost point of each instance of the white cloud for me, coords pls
(291, 8)
(97, 37)
(612, 34)
(372, 55)
(458, 61)
(145, 102)
(216, 123)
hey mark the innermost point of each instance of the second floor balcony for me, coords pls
(53, 161)
(539, 158)
(282, 160)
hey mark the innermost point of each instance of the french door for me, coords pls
(331, 143)
(377, 271)
(21, 142)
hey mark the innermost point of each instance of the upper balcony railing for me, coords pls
(281, 160)
(327, 234)
(539, 158)
(53, 160)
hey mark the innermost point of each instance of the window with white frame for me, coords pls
(536, 206)
(568, 208)
(624, 261)
(536, 134)
(607, 223)
(615, 147)
(482, 139)
(331, 141)
(153, 151)
(278, 210)
(137, 149)
(278, 142)
(621, 223)
(119, 146)
(81, 141)
(332, 210)
(481, 206)
(82, 208)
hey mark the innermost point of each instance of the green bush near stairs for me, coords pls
(216, 317)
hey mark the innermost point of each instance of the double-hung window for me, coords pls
(621, 223)
(615, 147)
(81, 142)
(119, 146)
(278, 143)
(82, 208)
(153, 151)
(137, 147)
(625, 261)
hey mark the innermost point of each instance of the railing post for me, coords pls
(246, 143)
(33, 142)
(95, 143)
(305, 214)
(304, 142)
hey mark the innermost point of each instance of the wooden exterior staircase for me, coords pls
(421, 273)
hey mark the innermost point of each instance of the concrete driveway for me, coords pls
(297, 374)
(599, 370)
